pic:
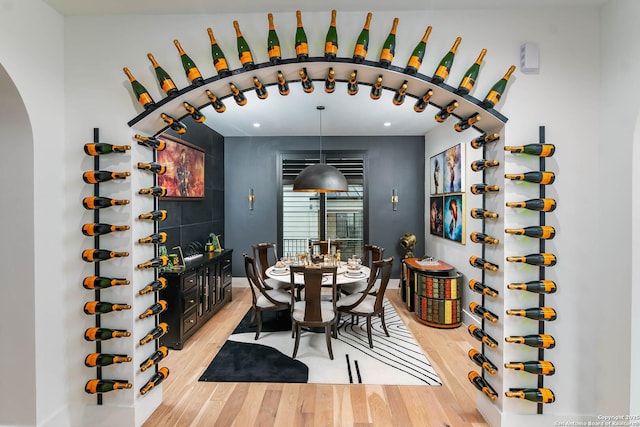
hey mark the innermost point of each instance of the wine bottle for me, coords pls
(165, 80)
(483, 312)
(159, 215)
(497, 90)
(217, 104)
(484, 139)
(330, 81)
(483, 164)
(536, 231)
(102, 334)
(244, 52)
(160, 261)
(97, 255)
(483, 238)
(413, 65)
(174, 124)
(97, 282)
(422, 103)
(543, 205)
(535, 313)
(154, 309)
(154, 238)
(445, 112)
(104, 386)
(97, 307)
(540, 150)
(482, 336)
(442, 71)
(238, 96)
(196, 115)
(151, 142)
(155, 357)
(331, 40)
(94, 202)
(536, 367)
(140, 91)
(541, 259)
(389, 46)
(273, 42)
(482, 385)
(538, 395)
(261, 91)
(98, 148)
(482, 361)
(98, 229)
(283, 86)
(219, 60)
(155, 333)
(362, 44)
(94, 177)
(482, 263)
(307, 84)
(155, 191)
(157, 285)
(469, 78)
(352, 84)
(478, 213)
(535, 286)
(399, 95)
(481, 288)
(376, 88)
(537, 177)
(465, 124)
(156, 379)
(154, 167)
(537, 340)
(483, 188)
(302, 48)
(190, 69)
(105, 359)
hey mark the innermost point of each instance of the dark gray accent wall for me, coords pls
(391, 162)
(189, 221)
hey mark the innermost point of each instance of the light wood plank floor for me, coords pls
(188, 402)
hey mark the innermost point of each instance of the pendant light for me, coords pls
(320, 177)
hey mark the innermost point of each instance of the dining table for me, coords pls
(344, 275)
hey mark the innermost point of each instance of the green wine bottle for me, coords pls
(540, 150)
(98, 148)
(166, 83)
(219, 60)
(537, 177)
(536, 231)
(538, 395)
(97, 282)
(422, 103)
(482, 164)
(536, 341)
(302, 47)
(535, 286)
(175, 125)
(484, 139)
(244, 52)
(273, 43)
(105, 359)
(330, 81)
(376, 88)
(399, 95)
(100, 334)
(542, 205)
(238, 96)
(261, 91)
(217, 104)
(331, 41)
(469, 78)
(497, 90)
(535, 313)
(542, 259)
(283, 86)
(352, 84)
(389, 47)
(362, 44)
(413, 65)
(104, 386)
(101, 307)
(307, 84)
(536, 367)
(195, 114)
(482, 361)
(140, 91)
(446, 111)
(465, 124)
(442, 72)
(192, 72)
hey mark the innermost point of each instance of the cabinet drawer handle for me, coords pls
(191, 301)
(191, 321)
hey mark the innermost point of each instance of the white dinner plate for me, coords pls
(358, 274)
(279, 272)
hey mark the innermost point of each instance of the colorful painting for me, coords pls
(454, 218)
(436, 178)
(184, 178)
(453, 170)
(436, 216)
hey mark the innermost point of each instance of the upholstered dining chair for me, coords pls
(372, 253)
(263, 298)
(363, 303)
(312, 311)
(266, 255)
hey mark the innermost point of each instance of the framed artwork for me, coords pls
(436, 217)
(436, 177)
(453, 169)
(454, 222)
(184, 178)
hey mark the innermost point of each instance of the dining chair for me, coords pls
(312, 311)
(323, 246)
(263, 298)
(372, 253)
(266, 255)
(363, 303)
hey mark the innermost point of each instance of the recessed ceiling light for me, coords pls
(387, 124)
(256, 125)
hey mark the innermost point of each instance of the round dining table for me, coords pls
(342, 278)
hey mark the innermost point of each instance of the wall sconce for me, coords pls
(252, 199)
(394, 199)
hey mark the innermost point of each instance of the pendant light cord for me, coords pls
(320, 108)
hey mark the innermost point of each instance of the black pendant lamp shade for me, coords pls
(321, 177)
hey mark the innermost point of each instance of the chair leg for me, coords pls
(295, 346)
(384, 325)
(369, 331)
(259, 315)
(327, 333)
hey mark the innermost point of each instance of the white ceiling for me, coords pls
(296, 114)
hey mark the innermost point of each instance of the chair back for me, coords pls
(313, 288)
(372, 253)
(323, 246)
(381, 269)
(252, 276)
(266, 255)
